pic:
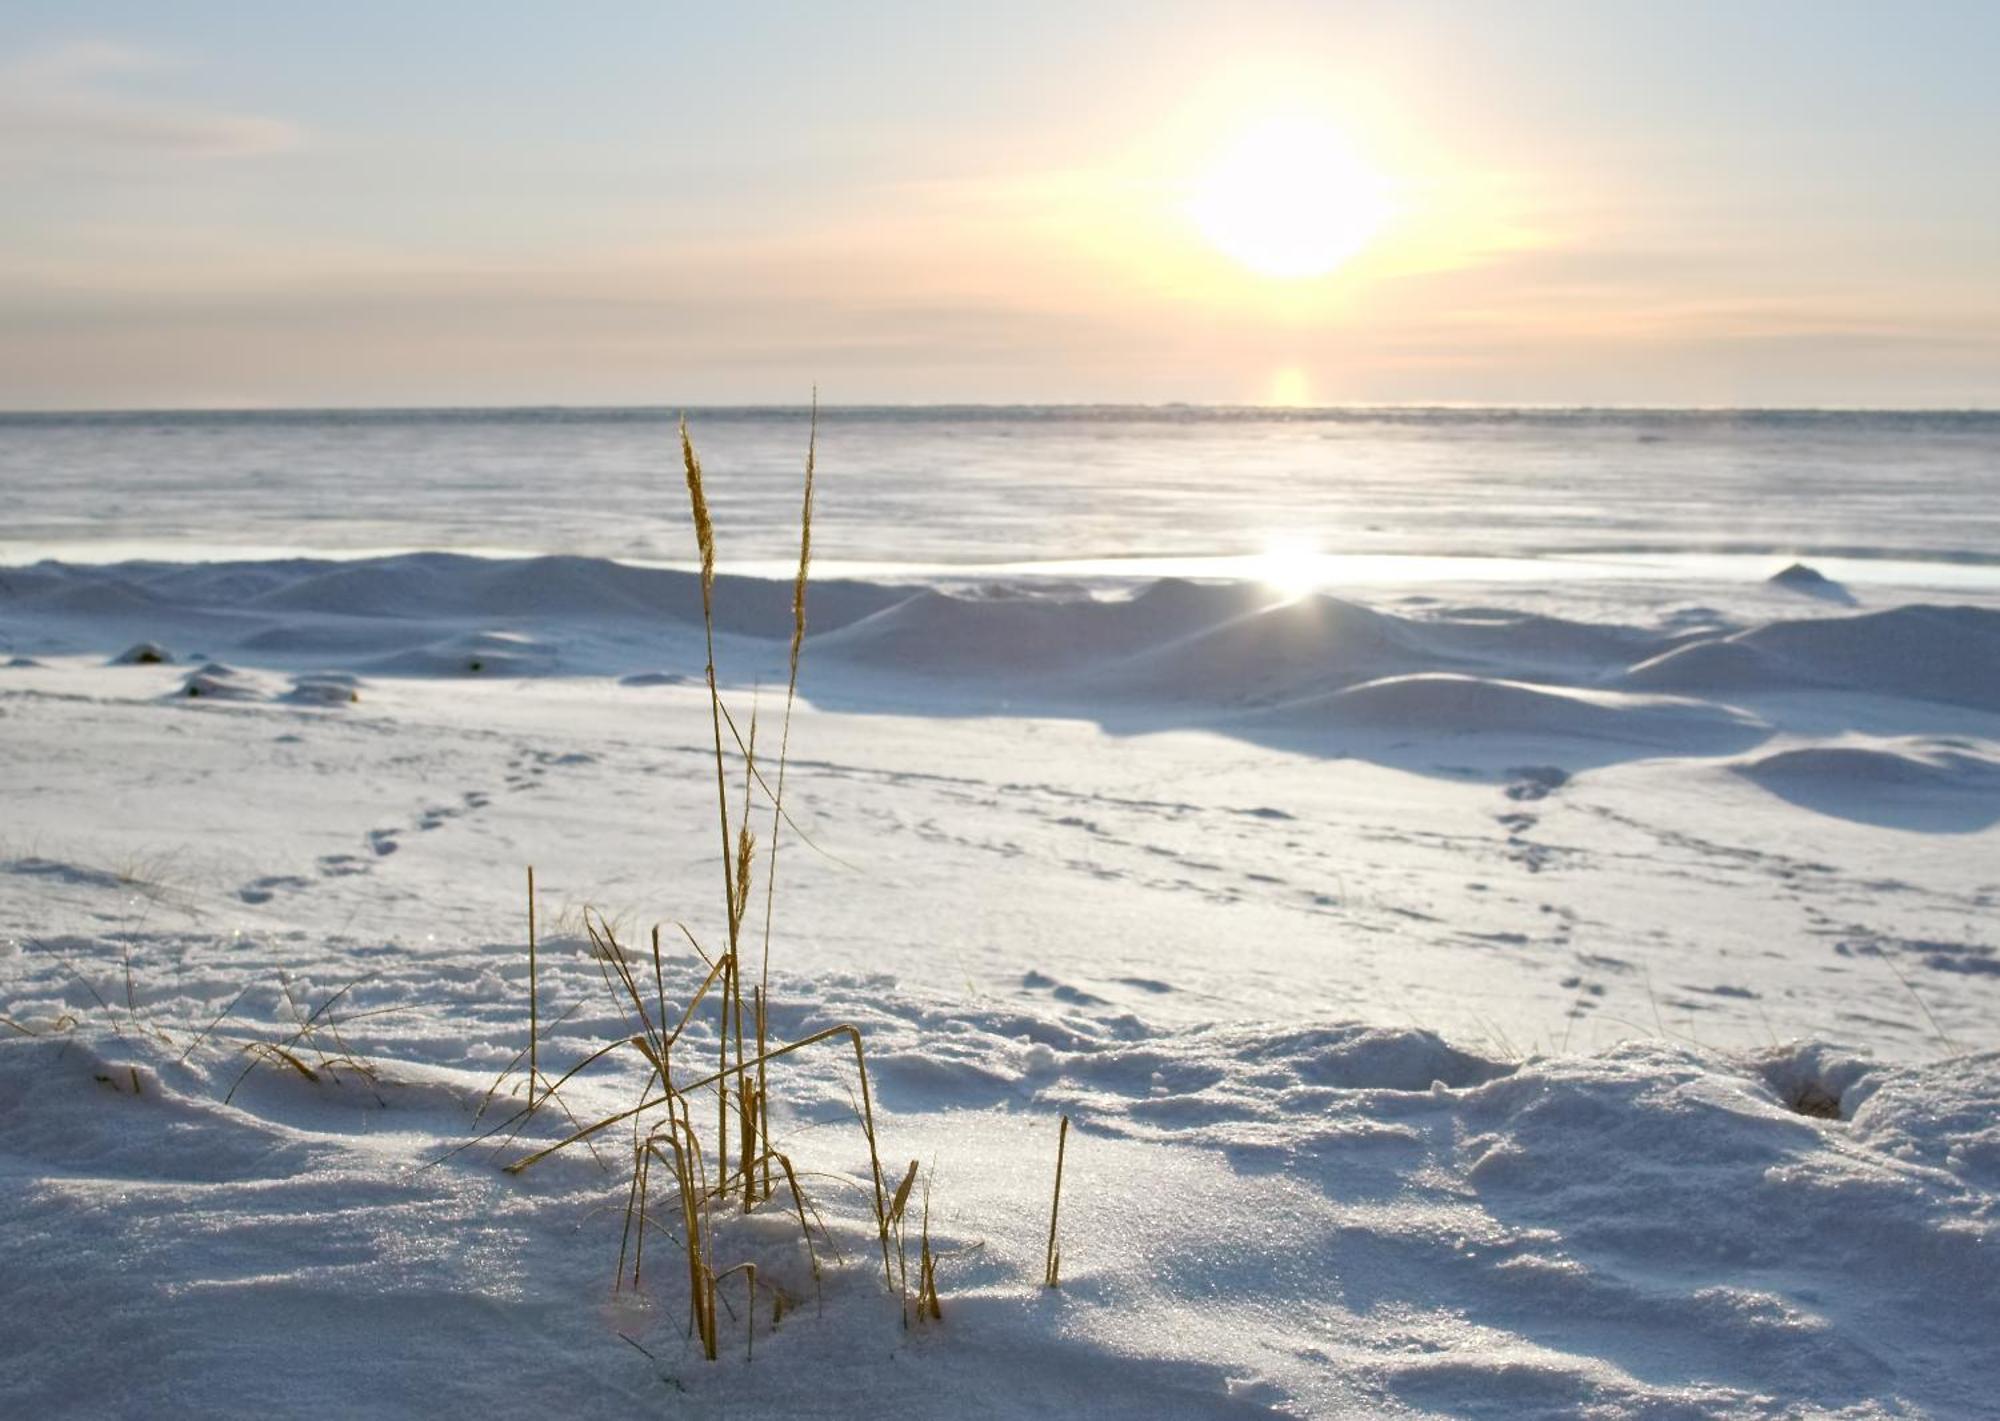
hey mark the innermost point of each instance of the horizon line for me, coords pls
(1011, 406)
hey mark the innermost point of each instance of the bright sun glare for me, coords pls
(1291, 565)
(1291, 199)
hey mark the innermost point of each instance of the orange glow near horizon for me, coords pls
(1291, 388)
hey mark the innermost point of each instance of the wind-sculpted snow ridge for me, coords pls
(1317, 674)
(1227, 643)
(272, 597)
(1447, 705)
(1945, 654)
(1172, 640)
(1308, 1220)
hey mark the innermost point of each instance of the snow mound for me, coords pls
(1941, 785)
(1314, 643)
(400, 586)
(1715, 666)
(217, 682)
(23, 584)
(1009, 632)
(95, 597)
(359, 637)
(1938, 1117)
(143, 653)
(324, 688)
(1918, 765)
(1811, 582)
(458, 585)
(1946, 654)
(485, 653)
(1438, 704)
(1656, 1190)
(1225, 647)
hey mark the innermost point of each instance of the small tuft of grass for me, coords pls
(303, 1050)
(286, 1052)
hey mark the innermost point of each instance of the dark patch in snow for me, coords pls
(1536, 781)
(1812, 1098)
(143, 653)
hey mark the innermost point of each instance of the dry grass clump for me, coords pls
(710, 1166)
(313, 1027)
(315, 1048)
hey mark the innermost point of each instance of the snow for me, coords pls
(1519, 1002)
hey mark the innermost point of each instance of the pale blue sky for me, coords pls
(512, 203)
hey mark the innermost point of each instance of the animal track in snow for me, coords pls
(263, 890)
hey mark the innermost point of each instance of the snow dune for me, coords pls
(1457, 705)
(1940, 786)
(1316, 673)
(1170, 639)
(1946, 654)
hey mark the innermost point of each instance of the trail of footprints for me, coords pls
(526, 770)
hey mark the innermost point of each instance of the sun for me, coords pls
(1291, 199)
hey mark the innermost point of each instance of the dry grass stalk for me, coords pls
(270, 1050)
(534, 1012)
(1052, 1270)
(928, 1307)
(204, 1033)
(897, 1211)
(928, 1304)
(763, 1083)
(785, 737)
(704, 533)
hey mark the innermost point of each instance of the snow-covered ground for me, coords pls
(1430, 981)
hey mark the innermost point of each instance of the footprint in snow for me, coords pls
(263, 890)
(1061, 991)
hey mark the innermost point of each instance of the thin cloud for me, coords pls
(66, 106)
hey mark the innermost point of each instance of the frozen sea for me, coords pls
(1400, 495)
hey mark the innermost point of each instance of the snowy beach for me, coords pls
(1559, 980)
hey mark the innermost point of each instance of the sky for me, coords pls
(220, 206)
